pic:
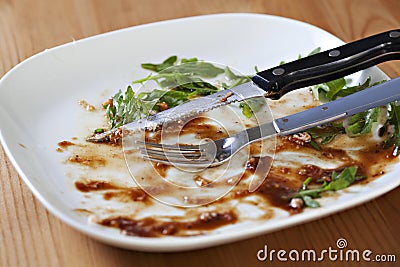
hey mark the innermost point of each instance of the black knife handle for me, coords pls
(329, 65)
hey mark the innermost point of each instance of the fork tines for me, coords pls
(176, 154)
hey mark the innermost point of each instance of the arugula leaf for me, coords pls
(335, 87)
(338, 182)
(325, 134)
(181, 81)
(353, 89)
(234, 79)
(191, 66)
(394, 137)
(342, 180)
(310, 202)
(186, 77)
(246, 110)
(196, 67)
(250, 106)
(361, 123)
(172, 98)
(315, 51)
(328, 91)
(357, 125)
(319, 91)
(125, 108)
(169, 62)
(178, 82)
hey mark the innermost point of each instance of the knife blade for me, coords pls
(275, 82)
(372, 97)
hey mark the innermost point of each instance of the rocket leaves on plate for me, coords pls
(178, 80)
(377, 119)
(394, 135)
(181, 80)
(248, 106)
(338, 181)
(124, 107)
(337, 88)
(358, 124)
(324, 134)
(169, 62)
(362, 123)
(234, 79)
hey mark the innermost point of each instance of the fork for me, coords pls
(217, 152)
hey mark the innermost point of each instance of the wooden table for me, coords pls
(30, 236)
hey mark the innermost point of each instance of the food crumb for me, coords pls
(163, 106)
(299, 138)
(226, 97)
(201, 182)
(86, 105)
(296, 203)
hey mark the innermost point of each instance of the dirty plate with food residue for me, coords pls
(52, 101)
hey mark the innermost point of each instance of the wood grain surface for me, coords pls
(31, 236)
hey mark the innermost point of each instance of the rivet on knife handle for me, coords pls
(330, 65)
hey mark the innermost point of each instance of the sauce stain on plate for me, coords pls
(131, 209)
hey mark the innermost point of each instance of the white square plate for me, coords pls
(38, 106)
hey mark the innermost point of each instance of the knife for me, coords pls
(275, 82)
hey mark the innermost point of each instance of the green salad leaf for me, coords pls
(394, 136)
(337, 88)
(123, 108)
(325, 134)
(252, 105)
(359, 124)
(234, 79)
(169, 62)
(338, 181)
(179, 81)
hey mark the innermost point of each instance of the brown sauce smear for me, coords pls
(279, 183)
(21, 145)
(161, 168)
(149, 227)
(277, 190)
(203, 130)
(65, 144)
(93, 185)
(127, 195)
(119, 193)
(197, 126)
(92, 161)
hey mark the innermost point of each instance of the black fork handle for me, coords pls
(330, 65)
